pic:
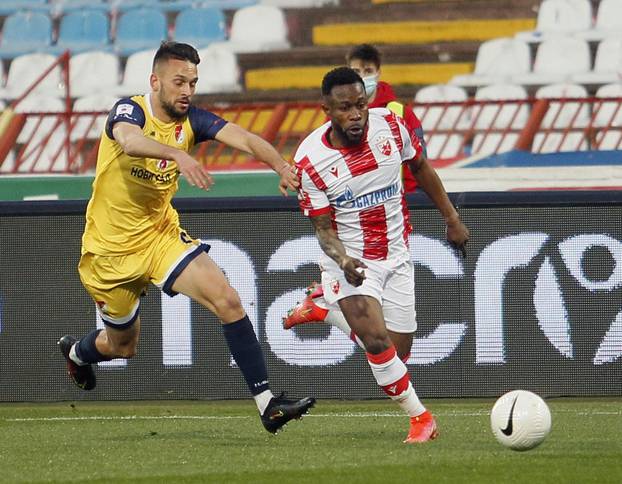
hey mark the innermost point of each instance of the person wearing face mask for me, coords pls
(365, 60)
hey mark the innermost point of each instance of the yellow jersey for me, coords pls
(131, 201)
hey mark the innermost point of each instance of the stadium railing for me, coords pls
(453, 131)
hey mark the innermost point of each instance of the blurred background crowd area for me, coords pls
(490, 80)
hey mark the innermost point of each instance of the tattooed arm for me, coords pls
(333, 248)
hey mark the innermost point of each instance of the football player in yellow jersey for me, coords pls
(132, 235)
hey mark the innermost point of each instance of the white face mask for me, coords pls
(371, 82)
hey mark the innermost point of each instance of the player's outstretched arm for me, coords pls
(237, 137)
(428, 179)
(333, 248)
(134, 143)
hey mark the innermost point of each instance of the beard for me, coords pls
(348, 140)
(172, 111)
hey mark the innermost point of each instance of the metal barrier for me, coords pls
(67, 142)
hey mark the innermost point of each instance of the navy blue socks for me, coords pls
(247, 353)
(86, 350)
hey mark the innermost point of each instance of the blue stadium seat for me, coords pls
(83, 30)
(179, 5)
(139, 29)
(61, 7)
(200, 26)
(8, 7)
(25, 32)
(226, 4)
(175, 5)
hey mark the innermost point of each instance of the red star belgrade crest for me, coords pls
(179, 134)
(385, 147)
(335, 286)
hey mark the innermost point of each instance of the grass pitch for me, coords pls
(344, 442)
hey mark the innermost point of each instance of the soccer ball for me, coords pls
(520, 420)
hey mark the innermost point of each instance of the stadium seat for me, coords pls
(200, 26)
(61, 7)
(140, 29)
(557, 17)
(299, 3)
(90, 127)
(608, 118)
(510, 116)
(162, 5)
(25, 32)
(225, 4)
(44, 135)
(83, 30)
(434, 118)
(557, 59)
(258, 28)
(496, 62)
(180, 5)
(25, 69)
(607, 66)
(93, 72)
(8, 7)
(567, 118)
(136, 74)
(608, 21)
(218, 71)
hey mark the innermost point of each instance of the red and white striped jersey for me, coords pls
(361, 187)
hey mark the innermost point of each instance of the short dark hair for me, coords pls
(365, 53)
(176, 50)
(340, 76)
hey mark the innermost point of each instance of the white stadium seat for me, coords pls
(608, 115)
(559, 17)
(441, 118)
(496, 62)
(136, 74)
(608, 21)
(26, 69)
(257, 28)
(218, 70)
(562, 116)
(45, 135)
(91, 127)
(94, 71)
(607, 66)
(557, 59)
(512, 116)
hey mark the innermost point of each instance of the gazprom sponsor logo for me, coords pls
(347, 200)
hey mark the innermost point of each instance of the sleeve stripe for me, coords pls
(414, 139)
(306, 165)
(395, 130)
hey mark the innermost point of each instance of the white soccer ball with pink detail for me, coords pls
(520, 420)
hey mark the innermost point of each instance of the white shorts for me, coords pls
(391, 283)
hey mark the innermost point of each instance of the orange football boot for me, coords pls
(306, 311)
(422, 429)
